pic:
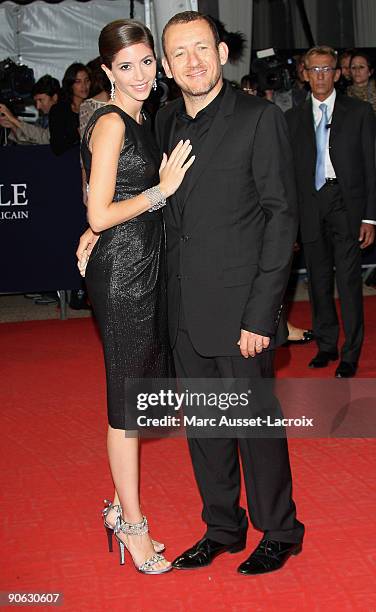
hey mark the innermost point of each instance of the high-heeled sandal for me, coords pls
(158, 546)
(139, 529)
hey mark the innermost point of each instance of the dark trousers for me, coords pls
(336, 246)
(265, 461)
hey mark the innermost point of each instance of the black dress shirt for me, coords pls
(195, 129)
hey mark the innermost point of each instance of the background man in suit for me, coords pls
(333, 138)
(230, 233)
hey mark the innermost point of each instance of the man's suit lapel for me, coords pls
(213, 140)
(339, 112)
(172, 208)
(309, 123)
(309, 138)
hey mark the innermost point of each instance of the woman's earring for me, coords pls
(112, 94)
(155, 85)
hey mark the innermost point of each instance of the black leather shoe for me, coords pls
(270, 555)
(322, 359)
(203, 553)
(346, 369)
(308, 336)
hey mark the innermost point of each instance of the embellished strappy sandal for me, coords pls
(158, 546)
(139, 529)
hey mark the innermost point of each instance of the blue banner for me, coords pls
(41, 219)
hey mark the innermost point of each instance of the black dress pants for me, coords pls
(265, 461)
(335, 246)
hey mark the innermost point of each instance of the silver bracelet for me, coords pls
(156, 198)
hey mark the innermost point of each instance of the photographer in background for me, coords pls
(279, 80)
(45, 93)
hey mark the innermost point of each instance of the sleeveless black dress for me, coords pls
(125, 275)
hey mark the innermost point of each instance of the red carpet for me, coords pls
(55, 476)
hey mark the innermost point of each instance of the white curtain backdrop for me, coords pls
(161, 11)
(237, 16)
(364, 23)
(48, 37)
(8, 27)
(52, 36)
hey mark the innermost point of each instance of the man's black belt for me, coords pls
(331, 181)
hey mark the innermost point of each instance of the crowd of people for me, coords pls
(64, 111)
(356, 80)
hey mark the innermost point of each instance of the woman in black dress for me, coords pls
(125, 271)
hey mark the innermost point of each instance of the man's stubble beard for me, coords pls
(192, 93)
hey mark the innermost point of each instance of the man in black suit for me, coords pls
(333, 138)
(230, 233)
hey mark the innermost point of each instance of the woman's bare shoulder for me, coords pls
(110, 126)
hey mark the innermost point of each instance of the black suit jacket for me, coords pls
(229, 249)
(352, 153)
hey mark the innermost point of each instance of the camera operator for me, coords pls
(295, 89)
(45, 93)
(280, 80)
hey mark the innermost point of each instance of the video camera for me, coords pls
(16, 84)
(272, 71)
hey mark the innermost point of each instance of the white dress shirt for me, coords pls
(317, 114)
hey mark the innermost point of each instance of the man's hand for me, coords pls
(250, 344)
(85, 246)
(5, 123)
(366, 235)
(6, 114)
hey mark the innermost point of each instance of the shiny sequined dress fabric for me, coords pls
(125, 274)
